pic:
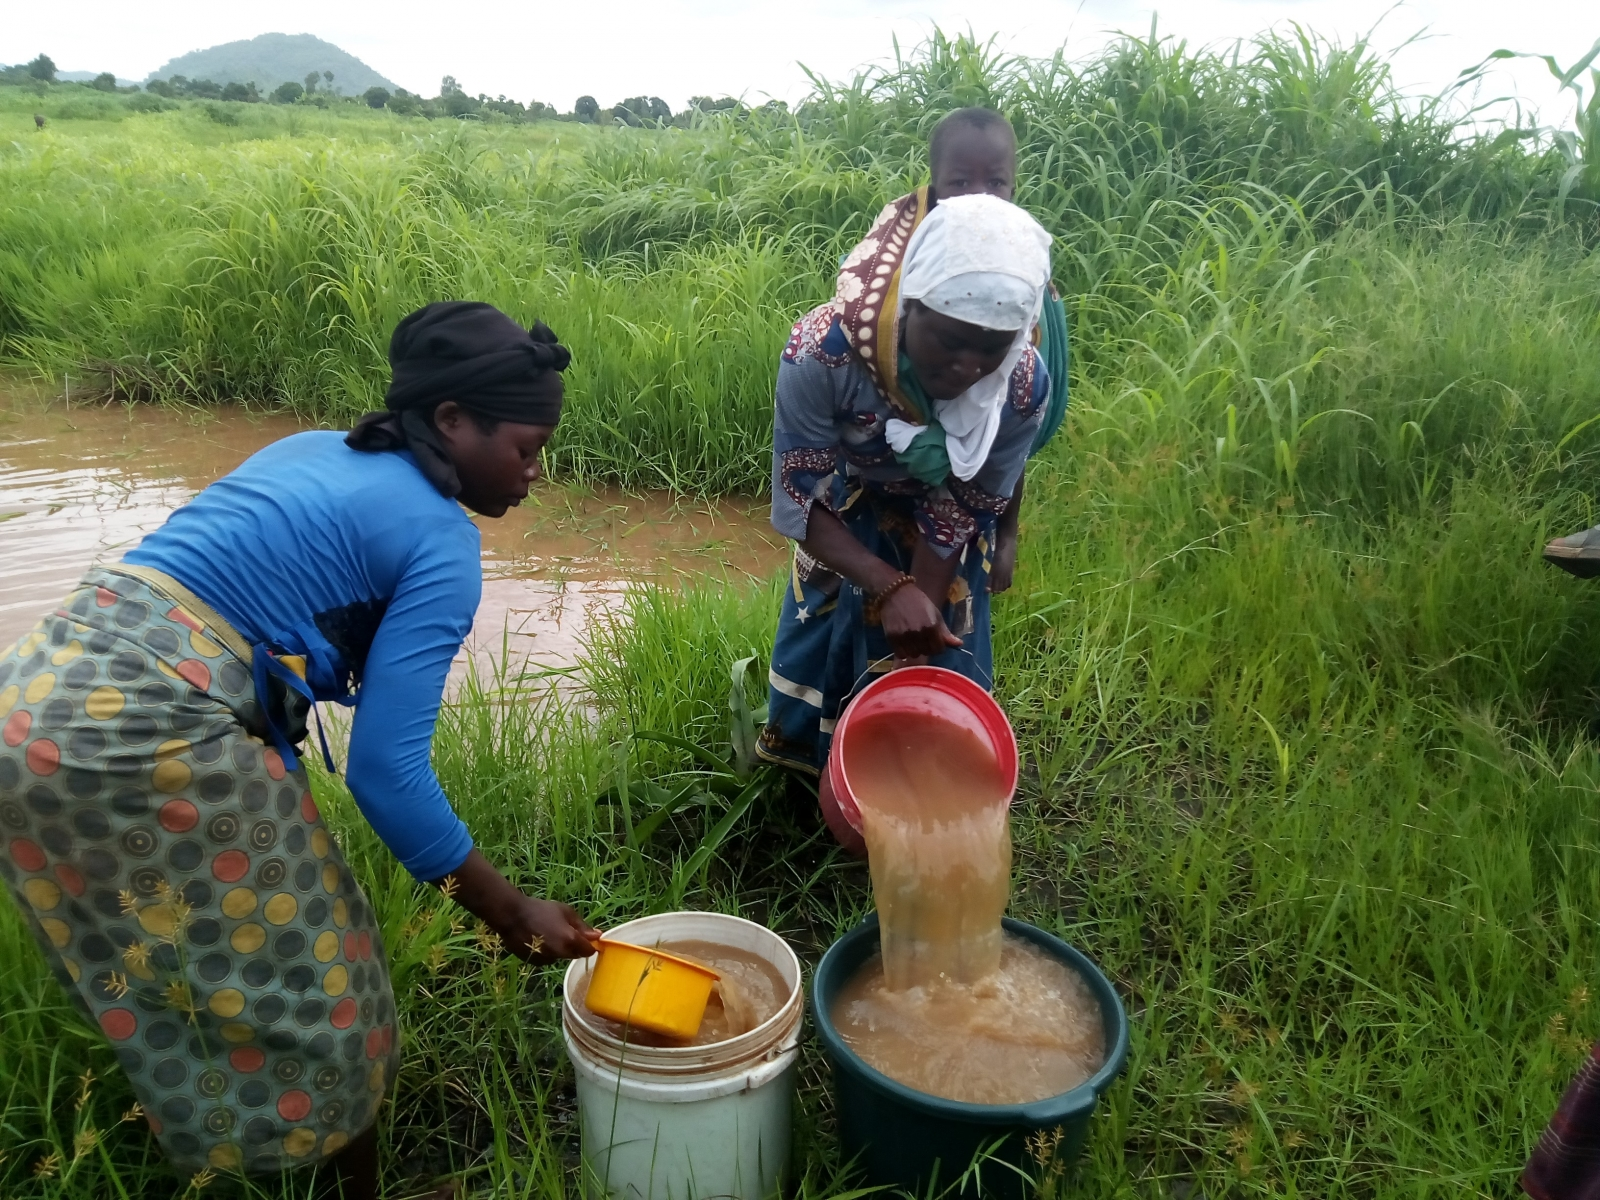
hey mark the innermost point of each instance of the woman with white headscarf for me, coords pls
(906, 409)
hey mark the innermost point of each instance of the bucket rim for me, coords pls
(942, 679)
(664, 956)
(642, 1074)
(668, 1059)
(1080, 1101)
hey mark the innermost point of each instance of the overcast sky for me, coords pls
(612, 49)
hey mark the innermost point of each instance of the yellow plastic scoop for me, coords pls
(649, 989)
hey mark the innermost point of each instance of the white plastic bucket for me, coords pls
(686, 1122)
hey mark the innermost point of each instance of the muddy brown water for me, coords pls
(748, 993)
(951, 1006)
(1028, 1030)
(934, 815)
(82, 484)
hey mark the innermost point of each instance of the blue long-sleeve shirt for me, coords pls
(357, 562)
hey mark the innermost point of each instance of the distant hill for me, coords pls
(275, 58)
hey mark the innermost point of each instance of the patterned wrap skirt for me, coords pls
(181, 882)
(825, 652)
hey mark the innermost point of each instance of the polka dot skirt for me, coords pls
(183, 886)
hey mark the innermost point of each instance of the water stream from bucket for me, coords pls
(939, 846)
(951, 1006)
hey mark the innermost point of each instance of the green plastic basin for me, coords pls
(907, 1139)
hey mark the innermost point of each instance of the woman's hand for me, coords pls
(1005, 543)
(911, 617)
(542, 931)
(1005, 562)
(539, 931)
(914, 627)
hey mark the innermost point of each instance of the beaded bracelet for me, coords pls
(873, 612)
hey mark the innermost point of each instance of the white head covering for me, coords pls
(981, 260)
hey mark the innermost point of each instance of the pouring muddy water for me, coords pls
(949, 1026)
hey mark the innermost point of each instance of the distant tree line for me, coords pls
(41, 72)
(203, 89)
(452, 102)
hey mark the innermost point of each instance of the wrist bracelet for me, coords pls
(873, 612)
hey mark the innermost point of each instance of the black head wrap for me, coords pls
(471, 353)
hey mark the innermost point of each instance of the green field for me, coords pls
(1308, 727)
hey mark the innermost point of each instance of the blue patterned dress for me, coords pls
(829, 446)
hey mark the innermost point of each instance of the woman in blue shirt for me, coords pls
(157, 828)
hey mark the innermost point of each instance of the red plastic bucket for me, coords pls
(935, 691)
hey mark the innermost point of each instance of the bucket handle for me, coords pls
(855, 688)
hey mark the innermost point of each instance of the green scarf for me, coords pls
(926, 457)
(1053, 349)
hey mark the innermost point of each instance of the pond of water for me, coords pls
(82, 484)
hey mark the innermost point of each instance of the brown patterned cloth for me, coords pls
(1566, 1163)
(867, 298)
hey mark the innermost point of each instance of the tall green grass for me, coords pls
(1317, 795)
(182, 260)
(1307, 727)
